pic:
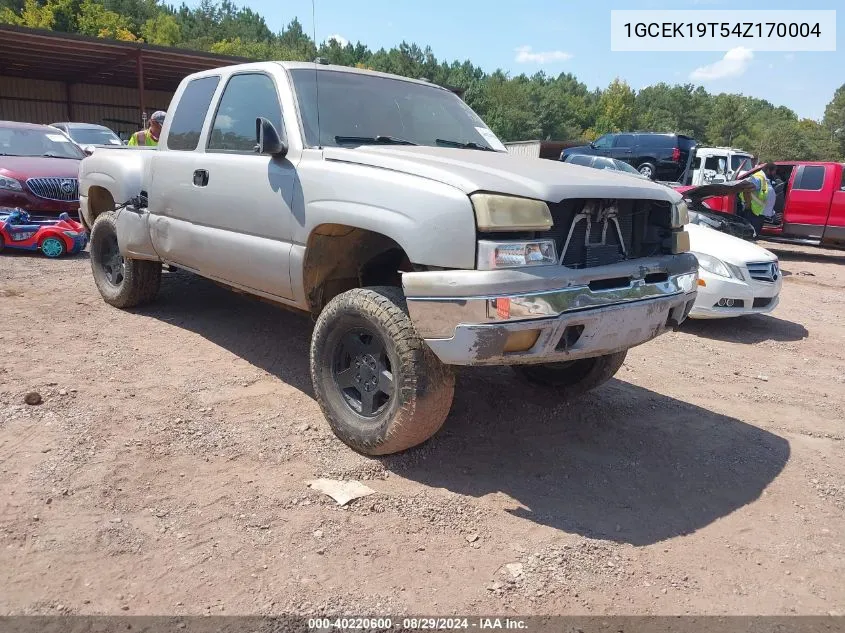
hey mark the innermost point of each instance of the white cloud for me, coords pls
(339, 39)
(525, 55)
(733, 64)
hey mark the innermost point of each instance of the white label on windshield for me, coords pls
(114, 141)
(491, 138)
(58, 138)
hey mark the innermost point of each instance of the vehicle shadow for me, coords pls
(266, 336)
(625, 464)
(820, 257)
(749, 329)
(12, 252)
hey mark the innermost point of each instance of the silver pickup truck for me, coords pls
(388, 210)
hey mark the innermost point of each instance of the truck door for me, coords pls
(239, 217)
(835, 229)
(808, 201)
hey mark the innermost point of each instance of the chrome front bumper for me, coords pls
(474, 317)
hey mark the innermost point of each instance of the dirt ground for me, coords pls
(165, 471)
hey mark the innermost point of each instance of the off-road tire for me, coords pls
(423, 387)
(652, 170)
(140, 280)
(573, 378)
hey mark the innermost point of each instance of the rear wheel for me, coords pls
(380, 387)
(647, 170)
(122, 282)
(573, 378)
(53, 247)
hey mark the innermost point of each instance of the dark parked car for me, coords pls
(656, 156)
(39, 168)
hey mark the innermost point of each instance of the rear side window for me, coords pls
(245, 98)
(580, 159)
(811, 178)
(658, 140)
(190, 114)
(624, 140)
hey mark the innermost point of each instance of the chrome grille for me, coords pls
(764, 271)
(61, 189)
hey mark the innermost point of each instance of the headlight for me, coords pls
(680, 215)
(509, 213)
(714, 265)
(493, 255)
(10, 183)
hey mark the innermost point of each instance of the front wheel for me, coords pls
(53, 247)
(122, 282)
(573, 378)
(380, 387)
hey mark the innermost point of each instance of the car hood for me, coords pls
(498, 172)
(726, 247)
(23, 167)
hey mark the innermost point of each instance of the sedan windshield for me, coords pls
(358, 109)
(16, 141)
(94, 136)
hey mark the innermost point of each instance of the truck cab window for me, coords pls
(811, 178)
(190, 114)
(245, 98)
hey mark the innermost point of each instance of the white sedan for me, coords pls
(735, 277)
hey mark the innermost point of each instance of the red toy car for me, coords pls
(53, 238)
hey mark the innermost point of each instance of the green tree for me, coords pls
(163, 29)
(615, 108)
(94, 19)
(32, 14)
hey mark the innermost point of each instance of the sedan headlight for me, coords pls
(515, 254)
(509, 213)
(716, 266)
(10, 184)
(680, 215)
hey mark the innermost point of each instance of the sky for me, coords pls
(573, 36)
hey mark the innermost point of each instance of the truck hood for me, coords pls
(726, 247)
(697, 194)
(23, 167)
(498, 172)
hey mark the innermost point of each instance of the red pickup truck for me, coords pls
(810, 208)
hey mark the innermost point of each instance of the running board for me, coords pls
(790, 240)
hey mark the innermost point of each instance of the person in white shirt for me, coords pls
(769, 209)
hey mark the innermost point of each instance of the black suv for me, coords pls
(654, 155)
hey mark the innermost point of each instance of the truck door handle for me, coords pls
(201, 177)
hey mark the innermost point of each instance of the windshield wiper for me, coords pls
(373, 140)
(460, 145)
(49, 155)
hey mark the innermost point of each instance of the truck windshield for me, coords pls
(354, 105)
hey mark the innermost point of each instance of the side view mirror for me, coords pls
(593, 144)
(268, 141)
(88, 149)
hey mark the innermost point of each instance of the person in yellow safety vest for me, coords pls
(755, 201)
(149, 137)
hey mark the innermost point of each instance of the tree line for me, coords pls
(518, 107)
